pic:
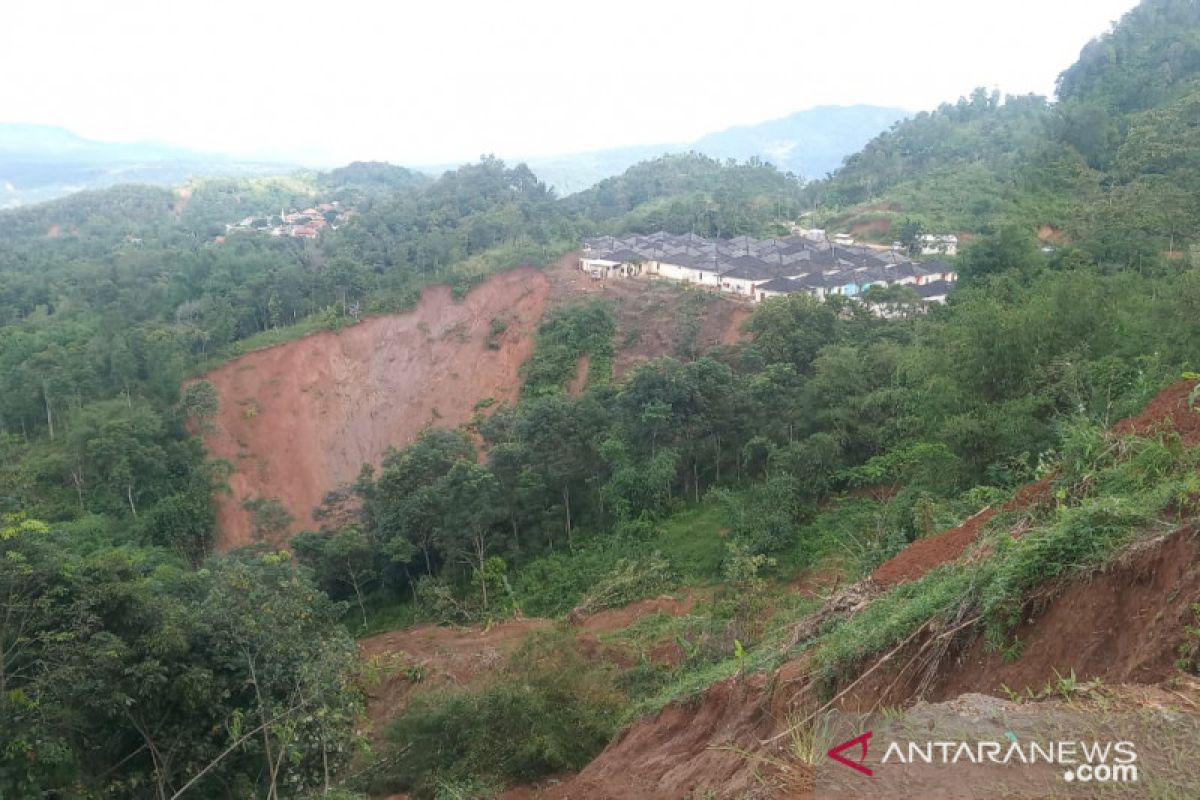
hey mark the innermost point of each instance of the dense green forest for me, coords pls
(1110, 166)
(135, 662)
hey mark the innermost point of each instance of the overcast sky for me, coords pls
(444, 80)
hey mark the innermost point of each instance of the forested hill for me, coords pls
(809, 143)
(1111, 165)
(137, 662)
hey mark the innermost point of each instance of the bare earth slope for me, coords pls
(300, 419)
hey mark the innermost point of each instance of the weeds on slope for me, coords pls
(1111, 491)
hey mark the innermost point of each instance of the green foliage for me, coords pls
(567, 334)
(269, 517)
(691, 192)
(550, 712)
(1190, 647)
(887, 621)
(126, 672)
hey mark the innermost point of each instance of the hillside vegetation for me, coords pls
(750, 497)
(1109, 167)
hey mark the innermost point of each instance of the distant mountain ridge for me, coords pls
(43, 162)
(810, 143)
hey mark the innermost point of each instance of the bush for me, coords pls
(551, 711)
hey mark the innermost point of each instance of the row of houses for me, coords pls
(761, 268)
(929, 244)
(306, 224)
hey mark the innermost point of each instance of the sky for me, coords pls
(442, 81)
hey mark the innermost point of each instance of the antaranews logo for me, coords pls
(1083, 761)
(863, 741)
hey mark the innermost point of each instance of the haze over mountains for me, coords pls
(42, 162)
(809, 143)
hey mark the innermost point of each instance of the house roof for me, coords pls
(934, 289)
(783, 286)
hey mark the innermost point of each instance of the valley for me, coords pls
(702, 480)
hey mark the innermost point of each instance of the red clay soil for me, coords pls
(648, 313)
(1168, 412)
(690, 749)
(578, 383)
(1123, 625)
(924, 554)
(300, 419)
(873, 227)
(615, 619)
(450, 656)
(469, 655)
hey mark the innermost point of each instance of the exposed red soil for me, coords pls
(615, 619)
(450, 656)
(469, 655)
(579, 382)
(300, 419)
(1120, 624)
(688, 749)
(874, 227)
(1052, 235)
(648, 312)
(924, 554)
(1123, 624)
(1166, 413)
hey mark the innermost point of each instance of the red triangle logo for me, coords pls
(858, 741)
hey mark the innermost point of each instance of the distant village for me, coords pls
(306, 224)
(758, 269)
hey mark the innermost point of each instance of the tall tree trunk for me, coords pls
(49, 411)
(566, 494)
(129, 496)
(358, 594)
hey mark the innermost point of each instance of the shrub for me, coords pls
(551, 711)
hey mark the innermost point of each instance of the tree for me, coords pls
(1010, 248)
(406, 502)
(200, 404)
(269, 517)
(340, 560)
(470, 511)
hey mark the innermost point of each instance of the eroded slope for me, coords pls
(300, 419)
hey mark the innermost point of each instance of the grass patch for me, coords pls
(690, 540)
(842, 650)
(550, 711)
(384, 613)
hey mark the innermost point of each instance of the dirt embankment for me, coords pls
(1123, 624)
(300, 419)
(1168, 413)
(724, 744)
(433, 657)
(653, 317)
